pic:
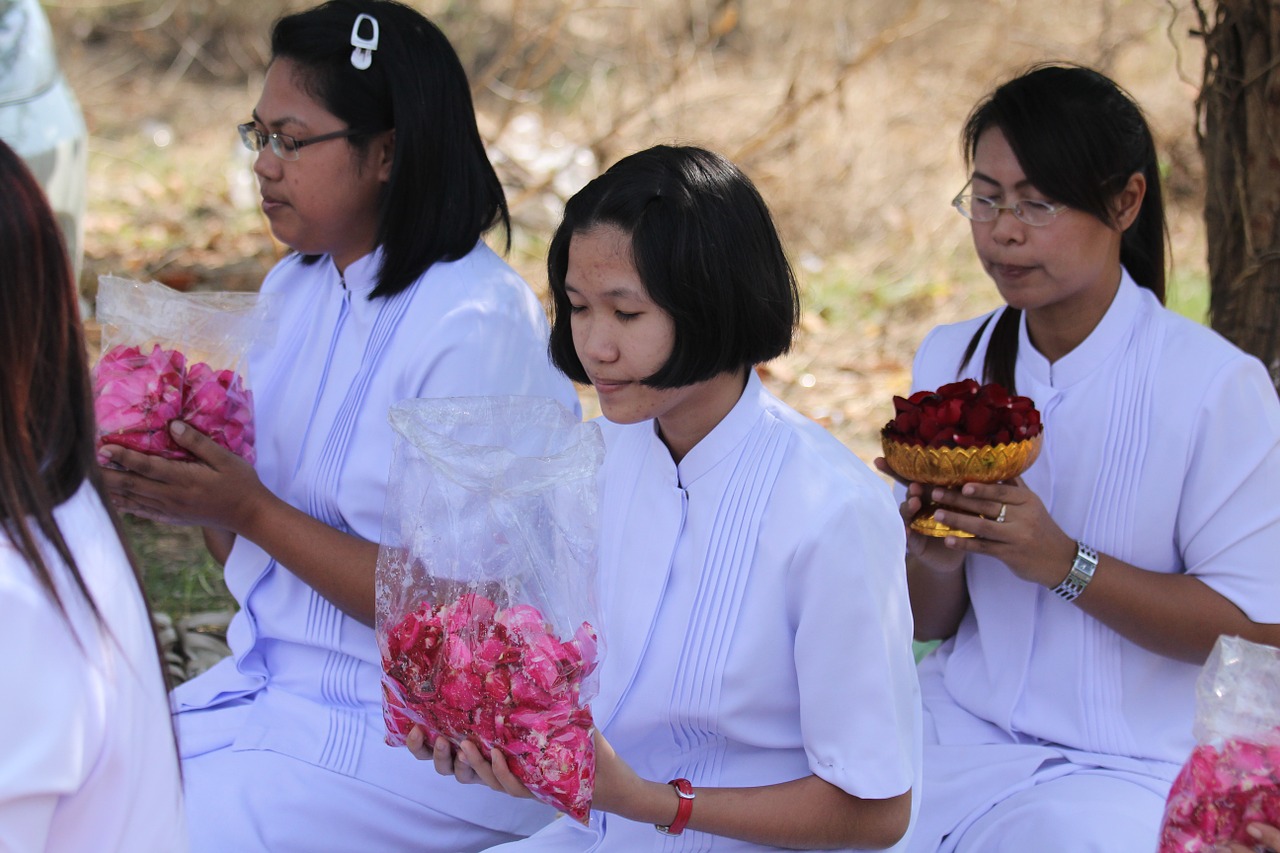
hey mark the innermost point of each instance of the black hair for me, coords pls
(1079, 137)
(706, 249)
(443, 193)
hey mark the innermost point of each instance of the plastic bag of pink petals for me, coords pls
(168, 355)
(486, 605)
(1232, 778)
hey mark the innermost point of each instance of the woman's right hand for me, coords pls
(929, 551)
(1268, 840)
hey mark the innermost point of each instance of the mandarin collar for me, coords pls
(361, 275)
(724, 436)
(1094, 351)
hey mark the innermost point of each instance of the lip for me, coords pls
(608, 386)
(1011, 271)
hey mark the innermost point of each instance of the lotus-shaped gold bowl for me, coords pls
(953, 466)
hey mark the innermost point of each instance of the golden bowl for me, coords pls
(953, 466)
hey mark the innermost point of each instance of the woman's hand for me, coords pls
(1268, 840)
(466, 763)
(930, 551)
(1009, 522)
(216, 490)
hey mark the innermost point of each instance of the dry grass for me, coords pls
(846, 114)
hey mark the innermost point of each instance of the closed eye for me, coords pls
(625, 316)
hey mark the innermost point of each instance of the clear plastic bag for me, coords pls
(486, 606)
(1232, 778)
(169, 355)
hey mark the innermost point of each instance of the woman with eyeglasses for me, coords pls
(372, 170)
(1059, 706)
(87, 758)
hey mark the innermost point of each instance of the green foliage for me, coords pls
(180, 576)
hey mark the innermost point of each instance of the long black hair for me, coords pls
(443, 193)
(1078, 137)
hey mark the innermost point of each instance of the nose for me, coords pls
(1007, 228)
(266, 164)
(594, 341)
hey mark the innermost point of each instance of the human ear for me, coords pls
(386, 153)
(1127, 203)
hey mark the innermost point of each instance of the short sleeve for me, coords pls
(859, 697)
(1228, 524)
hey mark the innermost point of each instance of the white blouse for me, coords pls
(1161, 448)
(322, 391)
(756, 619)
(87, 758)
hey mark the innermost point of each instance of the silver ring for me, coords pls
(1000, 517)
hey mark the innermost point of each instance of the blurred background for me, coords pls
(846, 113)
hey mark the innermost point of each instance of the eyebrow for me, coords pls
(280, 122)
(979, 176)
(615, 293)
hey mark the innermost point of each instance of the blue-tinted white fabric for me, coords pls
(1162, 449)
(756, 617)
(303, 681)
(87, 760)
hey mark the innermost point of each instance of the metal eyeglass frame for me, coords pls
(283, 145)
(963, 203)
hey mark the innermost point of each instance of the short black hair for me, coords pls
(707, 252)
(443, 193)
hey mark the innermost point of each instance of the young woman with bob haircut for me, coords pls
(371, 169)
(758, 691)
(1059, 707)
(89, 758)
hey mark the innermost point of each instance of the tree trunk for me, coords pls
(1239, 136)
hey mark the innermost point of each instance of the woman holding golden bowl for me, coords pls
(1075, 615)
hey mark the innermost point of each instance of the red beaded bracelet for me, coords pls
(684, 790)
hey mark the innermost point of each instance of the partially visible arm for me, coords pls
(803, 814)
(219, 542)
(222, 491)
(1174, 615)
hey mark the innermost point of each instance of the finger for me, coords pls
(143, 464)
(197, 443)
(882, 466)
(505, 776)
(1267, 834)
(416, 742)
(981, 506)
(470, 765)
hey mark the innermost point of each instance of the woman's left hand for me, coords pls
(1009, 522)
(466, 763)
(216, 490)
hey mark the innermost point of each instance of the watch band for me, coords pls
(1082, 569)
(684, 790)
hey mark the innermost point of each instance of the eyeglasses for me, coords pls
(979, 208)
(285, 147)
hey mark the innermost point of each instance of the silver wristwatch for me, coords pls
(1082, 569)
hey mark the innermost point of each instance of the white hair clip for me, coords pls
(362, 55)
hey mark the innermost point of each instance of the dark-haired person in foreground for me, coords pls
(372, 170)
(87, 758)
(1059, 707)
(759, 690)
